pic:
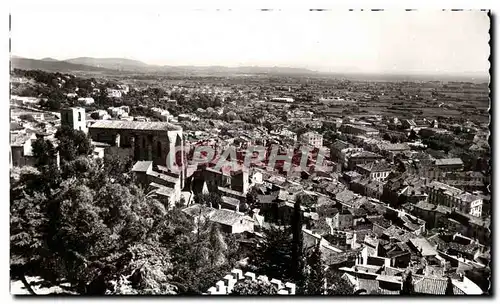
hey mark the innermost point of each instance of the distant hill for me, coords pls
(89, 64)
(52, 66)
(48, 59)
(246, 70)
(110, 63)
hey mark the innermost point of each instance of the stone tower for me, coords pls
(74, 118)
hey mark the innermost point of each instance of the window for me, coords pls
(79, 116)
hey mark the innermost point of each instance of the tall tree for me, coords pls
(273, 254)
(72, 143)
(44, 152)
(449, 287)
(217, 245)
(408, 288)
(297, 245)
(315, 282)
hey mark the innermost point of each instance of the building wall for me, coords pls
(240, 182)
(438, 197)
(242, 226)
(19, 159)
(74, 118)
(342, 221)
(146, 145)
(313, 139)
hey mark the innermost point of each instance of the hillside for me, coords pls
(110, 63)
(52, 66)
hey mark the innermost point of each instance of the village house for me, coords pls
(442, 194)
(358, 130)
(376, 170)
(159, 181)
(229, 221)
(360, 158)
(312, 138)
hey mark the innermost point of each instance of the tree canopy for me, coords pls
(82, 226)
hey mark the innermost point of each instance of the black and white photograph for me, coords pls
(221, 152)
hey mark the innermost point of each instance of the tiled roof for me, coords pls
(391, 271)
(266, 199)
(423, 246)
(468, 197)
(196, 210)
(227, 217)
(447, 188)
(427, 285)
(398, 234)
(367, 284)
(134, 125)
(373, 242)
(165, 177)
(470, 249)
(345, 196)
(433, 286)
(382, 222)
(449, 161)
(365, 154)
(165, 191)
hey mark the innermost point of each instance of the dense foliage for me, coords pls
(253, 288)
(99, 233)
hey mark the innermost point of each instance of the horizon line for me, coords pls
(485, 74)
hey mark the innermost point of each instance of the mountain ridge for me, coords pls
(125, 65)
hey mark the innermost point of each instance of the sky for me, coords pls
(400, 42)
